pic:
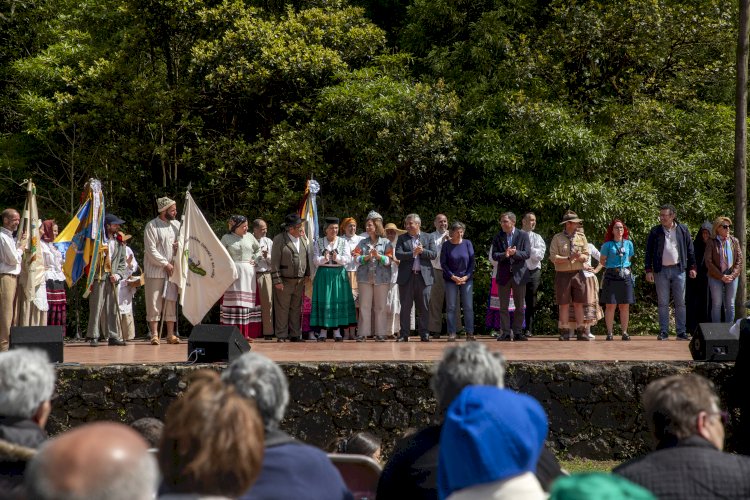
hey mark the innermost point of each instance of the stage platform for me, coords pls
(639, 349)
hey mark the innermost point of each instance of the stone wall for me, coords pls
(593, 407)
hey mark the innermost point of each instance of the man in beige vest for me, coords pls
(289, 267)
(159, 244)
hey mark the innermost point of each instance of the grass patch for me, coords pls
(576, 465)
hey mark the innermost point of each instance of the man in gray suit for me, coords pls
(415, 250)
(111, 267)
(511, 248)
(289, 268)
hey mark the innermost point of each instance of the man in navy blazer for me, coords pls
(415, 250)
(510, 248)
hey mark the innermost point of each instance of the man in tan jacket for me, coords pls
(568, 251)
(289, 267)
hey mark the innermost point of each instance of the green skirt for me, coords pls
(332, 300)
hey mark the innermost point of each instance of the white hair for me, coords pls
(258, 378)
(27, 379)
(464, 365)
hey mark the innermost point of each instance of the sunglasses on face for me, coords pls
(726, 226)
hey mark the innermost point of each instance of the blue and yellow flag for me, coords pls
(81, 239)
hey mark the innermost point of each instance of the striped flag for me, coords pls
(81, 239)
(308, 210)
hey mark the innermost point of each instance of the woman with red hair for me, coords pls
(617, 288)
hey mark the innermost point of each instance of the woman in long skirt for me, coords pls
(240, 305)
(54, 276)
(592, 311)
(332, 300)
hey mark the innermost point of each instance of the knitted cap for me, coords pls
(489, 434)
(164, 203)
(597, 485)
(374, 215)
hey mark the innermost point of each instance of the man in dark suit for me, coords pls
(415, 250)
(511, 248)
(289, 267)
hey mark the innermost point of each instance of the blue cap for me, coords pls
(113, 219)
(489, 434)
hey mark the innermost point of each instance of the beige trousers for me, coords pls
(154, 288)
(265, 290)
(8, 285)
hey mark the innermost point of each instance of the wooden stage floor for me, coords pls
(645, 348)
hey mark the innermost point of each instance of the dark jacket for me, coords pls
(412, 470)
(404, 248)
(19, 439)
(293, 469)
(517, 261)
(655, 248)
(691, 469)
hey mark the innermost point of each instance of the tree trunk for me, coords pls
(740, 149)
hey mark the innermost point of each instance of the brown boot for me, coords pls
(564, 334)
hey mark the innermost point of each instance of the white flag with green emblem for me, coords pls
(203, 269)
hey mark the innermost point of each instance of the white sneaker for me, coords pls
(591, 336)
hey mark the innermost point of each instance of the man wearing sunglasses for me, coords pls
(669, 256)
(688, 463)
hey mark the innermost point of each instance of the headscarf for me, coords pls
(236, 221)
(48, 234)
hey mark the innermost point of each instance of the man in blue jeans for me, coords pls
(669, 255)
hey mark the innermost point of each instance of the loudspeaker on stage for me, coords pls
(47, 338)
(713, 342)
(211, 343)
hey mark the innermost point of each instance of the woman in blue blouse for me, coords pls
(617, 288)
(457, 261)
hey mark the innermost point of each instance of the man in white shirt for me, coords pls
(11, 253)
(533, 270)
(437, 293)
(669, 257)
(263, 273)
(159, 245)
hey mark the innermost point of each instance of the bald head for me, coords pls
(103, 460)
(11, 219)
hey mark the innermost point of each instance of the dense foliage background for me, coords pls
(467, 107)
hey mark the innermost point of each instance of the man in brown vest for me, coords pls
(289, 267)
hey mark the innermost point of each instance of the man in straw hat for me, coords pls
(160, 244)
(568, 251)
(104, 309)
(289, 268)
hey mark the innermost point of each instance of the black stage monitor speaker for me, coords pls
(47, 338)
(713, 342)
(210, 343)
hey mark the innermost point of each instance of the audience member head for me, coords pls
(151, 429)
(98, 461)
(528, 222)
(412, 223)
(360, 443)
(680, 406)
(260, 228)
(722, 226)
(463, 365)
(27, 381)
(489, 434)
(597, 485)
(213, 440)
(258, 378)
